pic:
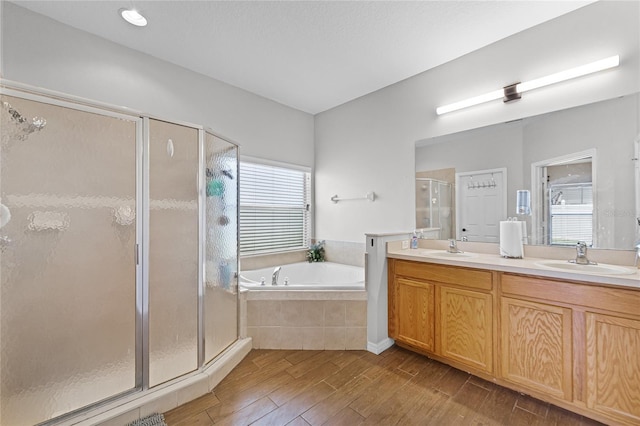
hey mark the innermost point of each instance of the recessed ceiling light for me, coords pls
(133, 17)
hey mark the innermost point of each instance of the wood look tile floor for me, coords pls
(397, 387)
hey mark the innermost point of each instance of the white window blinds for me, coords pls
(274, 208)
(571, 214)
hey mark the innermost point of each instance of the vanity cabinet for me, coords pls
(415, 310)
(443, 311)
(573, 343)
(600, 341)
(536, 346)
(613, 366)
(466, 330)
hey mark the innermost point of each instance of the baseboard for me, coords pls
(378, 348)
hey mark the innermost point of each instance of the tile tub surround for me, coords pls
(249, 263)
(345, 252)
(305, 319)
(314, 320)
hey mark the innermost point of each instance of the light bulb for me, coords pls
(576, 72)
(133, 17)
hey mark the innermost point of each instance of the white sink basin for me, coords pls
(443, 254)
(599, 269)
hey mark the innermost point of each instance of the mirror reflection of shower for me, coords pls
(434, 206)
(16, 126)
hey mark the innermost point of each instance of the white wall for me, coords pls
(42, 52)
(368, 144)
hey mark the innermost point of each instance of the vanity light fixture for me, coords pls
(514, 91)
(133, 17)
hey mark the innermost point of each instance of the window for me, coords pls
(571, 214)
(274, 208)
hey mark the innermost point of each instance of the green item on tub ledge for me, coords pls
(215, 187)
(316, 252)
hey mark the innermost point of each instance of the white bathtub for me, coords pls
(306, 276)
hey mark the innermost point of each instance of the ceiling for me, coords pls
(309, 55)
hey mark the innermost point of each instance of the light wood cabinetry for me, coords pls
(416, 321)
(605, 341)
(613, 366)
(466, 329)
(574, 344)
(536, 346)
(443, 311)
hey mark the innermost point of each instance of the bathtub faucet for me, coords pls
(274, 277)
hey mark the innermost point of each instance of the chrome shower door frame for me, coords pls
(141, 251)
(19, 90)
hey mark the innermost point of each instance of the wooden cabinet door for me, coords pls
(415, 313)
(613, 366)
(537, 346)
(466, 327)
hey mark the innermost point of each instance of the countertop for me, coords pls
(528, 265)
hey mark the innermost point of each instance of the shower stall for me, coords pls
(434, 207)
(118, 253)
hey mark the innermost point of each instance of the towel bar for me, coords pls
(371, 196)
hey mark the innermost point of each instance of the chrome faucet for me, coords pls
(274, 277)
(581, 255)
(453, 248)
(637, 246)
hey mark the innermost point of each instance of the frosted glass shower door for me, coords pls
(434, 207)
(221, 259)
(173, 250)
(67, 257)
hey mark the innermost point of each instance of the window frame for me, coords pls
(573, 211)
(306, 210)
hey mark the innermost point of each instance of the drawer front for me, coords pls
(472, 278)
(574, 293)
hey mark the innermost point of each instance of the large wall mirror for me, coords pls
(578, 164)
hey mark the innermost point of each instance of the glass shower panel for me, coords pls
(173, 250)
(67, 258)
(445, 210)
(221, 259)
(434, 207)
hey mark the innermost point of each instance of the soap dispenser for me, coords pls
(414, 240)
